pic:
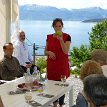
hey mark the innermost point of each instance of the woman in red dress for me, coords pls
(57, 47)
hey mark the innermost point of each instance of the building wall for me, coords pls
(2, 25)
(9, 13)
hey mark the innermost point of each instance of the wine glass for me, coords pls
(63, 78)
(28, 97)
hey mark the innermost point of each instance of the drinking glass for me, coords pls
(28, 81)
(38, 76)
(34, 76)
(41, 89)
(28, 97)
(63, 78)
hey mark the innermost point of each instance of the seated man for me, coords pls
(21, 52)
(95, 89)
(100, 56)
(9, 65)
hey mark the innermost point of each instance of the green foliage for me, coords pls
(41, 63)
(76, 72)
(97, 40)
(79, 55)
(98, 36)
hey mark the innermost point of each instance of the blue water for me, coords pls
(36, 32)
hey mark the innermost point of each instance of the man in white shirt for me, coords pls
(21, 52)
(100, 56)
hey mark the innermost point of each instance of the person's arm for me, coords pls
(50, 54)
(17, 54)
(30, 57)
(20, 70)
(65, 46)
(5, 74)
(81, 101)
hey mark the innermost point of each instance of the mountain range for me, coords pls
(37, 12)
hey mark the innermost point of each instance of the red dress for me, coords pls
(59, 66)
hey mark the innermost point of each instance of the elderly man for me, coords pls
(100, 56)
(9, 65)
(21, 52)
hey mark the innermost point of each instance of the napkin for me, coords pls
(46, 95)
(16, 92)
(62, 84)
(35, 104)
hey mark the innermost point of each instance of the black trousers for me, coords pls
(61, 99)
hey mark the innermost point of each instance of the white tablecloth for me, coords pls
(18, 100)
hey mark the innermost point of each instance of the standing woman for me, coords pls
(57, 47)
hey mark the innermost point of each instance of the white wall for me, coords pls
(2, 25)
(5, 22)
(8, 13)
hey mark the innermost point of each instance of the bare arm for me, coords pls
(65, 46)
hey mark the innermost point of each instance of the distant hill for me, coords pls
(37, 12)
(94, 20)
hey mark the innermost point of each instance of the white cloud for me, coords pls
(100, 3)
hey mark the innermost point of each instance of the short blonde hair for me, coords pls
(90, 67)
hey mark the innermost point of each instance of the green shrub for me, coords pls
(41, 63)
(79, 55)
(97, 40)
(75, 72)
(98, 36)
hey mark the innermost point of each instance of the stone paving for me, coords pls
(78, 86)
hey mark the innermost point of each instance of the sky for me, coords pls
(69, 4)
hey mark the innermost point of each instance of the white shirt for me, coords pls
(21, 52)
(104, 68)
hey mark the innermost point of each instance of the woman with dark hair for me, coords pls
(57, 47)
(95, 89)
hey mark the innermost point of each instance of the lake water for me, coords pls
(36, 32)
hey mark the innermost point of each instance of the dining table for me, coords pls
(53, 90)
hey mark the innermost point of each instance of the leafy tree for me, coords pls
(97, 40)
(41, 63)
(98, 36)
(79, 55)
